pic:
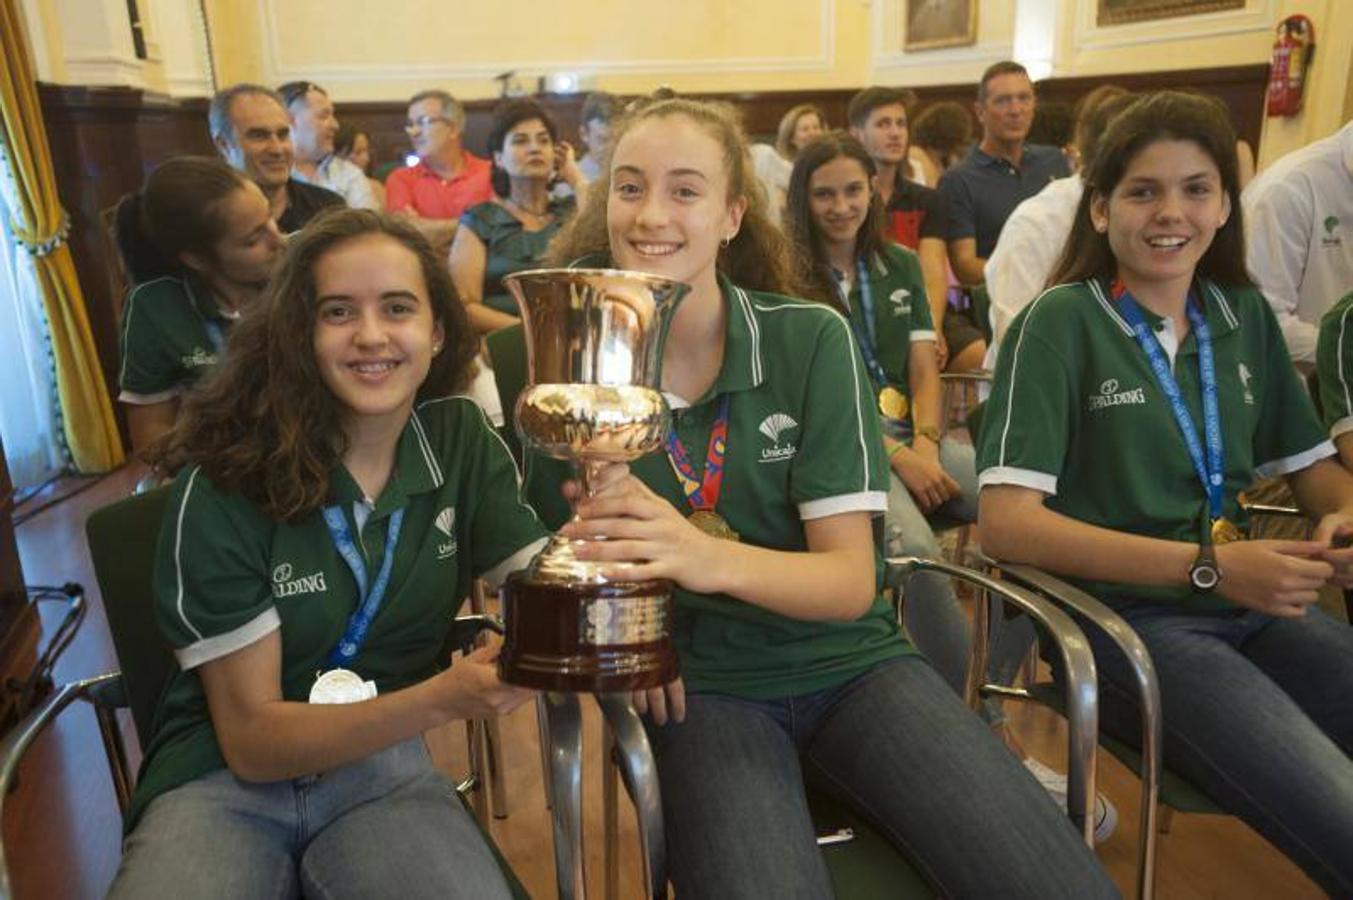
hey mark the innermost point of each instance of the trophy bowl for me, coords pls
(594, 341)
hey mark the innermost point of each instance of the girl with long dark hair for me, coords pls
(1133, 402)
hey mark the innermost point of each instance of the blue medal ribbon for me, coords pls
(370, 597)
(214, 334)
(867, 339)
(1209, 468)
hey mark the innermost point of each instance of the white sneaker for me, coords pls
(1054, 782)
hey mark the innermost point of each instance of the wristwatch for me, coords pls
(930, 432)
(1205, 574)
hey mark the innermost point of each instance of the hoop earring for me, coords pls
(728, 239)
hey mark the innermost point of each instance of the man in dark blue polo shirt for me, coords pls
(1000, 172)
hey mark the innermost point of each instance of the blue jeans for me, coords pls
(896, 745)
(932, 615)
(389, 825)
(1259, 715)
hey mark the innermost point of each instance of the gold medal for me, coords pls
(713, 524)
(893, 403)
(1224, 531)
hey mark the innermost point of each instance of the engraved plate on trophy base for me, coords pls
(587, 637)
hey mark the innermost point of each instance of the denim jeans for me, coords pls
(932, 615)
(1259, 715)
(389, 825)
(896, 745)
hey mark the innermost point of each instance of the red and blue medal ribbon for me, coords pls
(702, 488)
(1209, 467)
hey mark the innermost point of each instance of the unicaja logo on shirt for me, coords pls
(283, 585)
(901, 301)
(1245, 377)
(1331, 236)
(774, 427)
(446, 524)
(1110, 395)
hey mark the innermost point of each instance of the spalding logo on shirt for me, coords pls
(1110, 395)
(198, 359)
(283, 585)
(773, 426)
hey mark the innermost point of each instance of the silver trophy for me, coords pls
(594, 340)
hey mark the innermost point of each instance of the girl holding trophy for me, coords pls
(761, 511)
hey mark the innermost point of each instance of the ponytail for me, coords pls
(177, 211)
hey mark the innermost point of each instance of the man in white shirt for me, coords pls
(1299, 236)
(313, 126)
(1031, 241)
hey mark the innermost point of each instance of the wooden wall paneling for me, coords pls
(1241, 88)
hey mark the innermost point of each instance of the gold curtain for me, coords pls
(41, 225)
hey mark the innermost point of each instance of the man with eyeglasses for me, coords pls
(252, 131)
(313, 126)
(999, 173)
(447, 179)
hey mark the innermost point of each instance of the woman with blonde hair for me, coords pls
(773, 164)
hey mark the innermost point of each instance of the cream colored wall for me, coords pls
(363, 50)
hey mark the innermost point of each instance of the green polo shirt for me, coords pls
(1076, 413)
(166, 344)
(901, 313)
(803, 443)
(227, 575)
(1334, 363)
(509, 247)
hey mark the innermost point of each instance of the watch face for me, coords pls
(1204, 577)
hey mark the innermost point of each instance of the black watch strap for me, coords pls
(1205, 574)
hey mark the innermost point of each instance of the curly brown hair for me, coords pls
(759, 257)
(264, 424)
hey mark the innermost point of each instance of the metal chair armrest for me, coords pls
(1148, 691)
(1268, 509)
(16, 743)
(980, 376)
(465, 629)
(634, 755)
(1079, 663)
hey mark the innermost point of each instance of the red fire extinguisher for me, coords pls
(1292, 53)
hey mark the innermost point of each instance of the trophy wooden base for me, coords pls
(590, 638)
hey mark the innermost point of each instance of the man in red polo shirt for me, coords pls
(447, 180)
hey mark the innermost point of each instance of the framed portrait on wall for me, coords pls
(940, 23)
(1123, 12)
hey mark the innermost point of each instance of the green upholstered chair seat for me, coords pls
(868, 867)
(1176, 792)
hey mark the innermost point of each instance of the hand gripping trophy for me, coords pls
(594, 341)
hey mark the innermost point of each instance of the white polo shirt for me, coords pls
(1028, 248)
(1299, 236)
(343, 178)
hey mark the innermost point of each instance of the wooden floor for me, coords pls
(61, 827)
